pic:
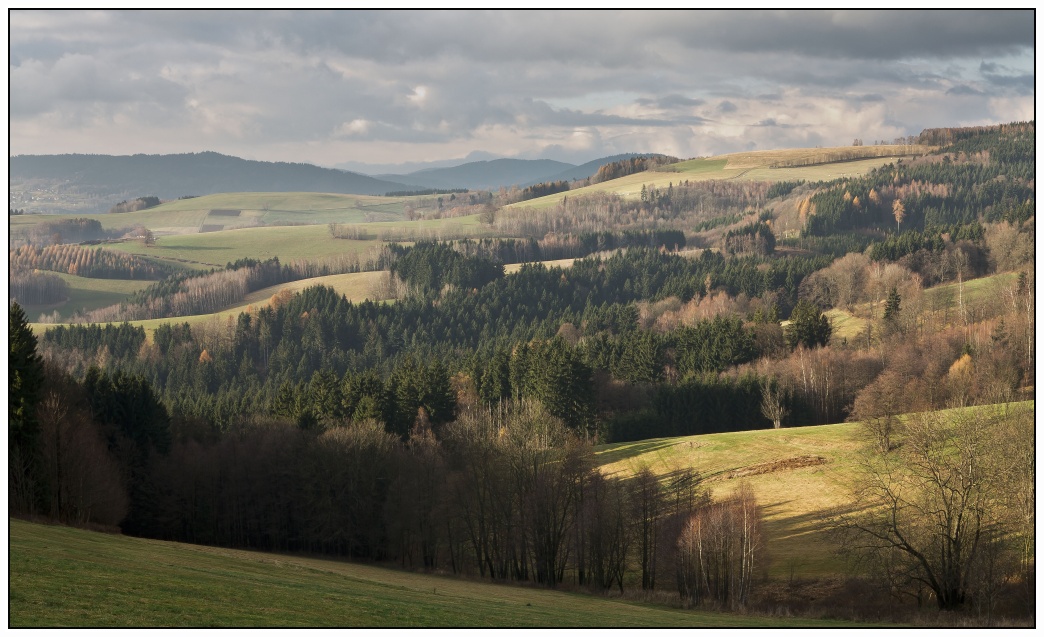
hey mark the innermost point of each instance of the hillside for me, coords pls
(67, 577)
(809, 164)
(94, 183)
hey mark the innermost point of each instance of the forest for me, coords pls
(454, 426)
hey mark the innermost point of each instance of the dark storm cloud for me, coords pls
(875, 35)
(330, 86)
(1004, 76)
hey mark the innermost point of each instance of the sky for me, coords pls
(384, 88)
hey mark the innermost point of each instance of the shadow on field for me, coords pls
(630, 450)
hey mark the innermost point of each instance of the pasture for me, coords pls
(215, 249)
(795, 499)
(63, 577)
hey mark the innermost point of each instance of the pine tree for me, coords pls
(25, 389)
(808, 326)
(892, 308)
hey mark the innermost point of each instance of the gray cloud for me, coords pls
(390, 87)
(964, 89)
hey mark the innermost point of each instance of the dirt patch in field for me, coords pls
(224, 212)
(772, 467)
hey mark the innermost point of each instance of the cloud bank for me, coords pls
(328, 87)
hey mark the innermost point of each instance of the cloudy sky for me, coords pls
(331, 88)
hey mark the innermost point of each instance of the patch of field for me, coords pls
(823, 172)
(750, 166)
(276, 201)
(511, 268)
(794, 500)
(61, 576)
(215, 249)
(846, 325)
(975, 290)
(780, 158)
(89, 294)
(355, 286)
(159, 219)
(187, 216)
(798, 475)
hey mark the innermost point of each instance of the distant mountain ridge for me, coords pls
(110, 178)
(496, 173)
(78, 183)
(484, 175)
(584, 171)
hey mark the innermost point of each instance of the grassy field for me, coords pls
(310, 242)
(271, 208)
(68, 577)
(794, 501)
(750, 166)
(975, 290)
(89, 294)
(846, 326)
(511, 268)
(355, 286)
(215, 249)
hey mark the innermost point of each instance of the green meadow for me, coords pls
(65, 577)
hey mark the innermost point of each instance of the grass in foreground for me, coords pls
(68, 577)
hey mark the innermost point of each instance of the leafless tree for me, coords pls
(933, 513)
(719, 551)
(774, 397)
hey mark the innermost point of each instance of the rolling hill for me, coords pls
(809, 164)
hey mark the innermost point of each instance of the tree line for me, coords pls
(95, 263)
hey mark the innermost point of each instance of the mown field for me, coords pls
(750, 166)
(63, 577)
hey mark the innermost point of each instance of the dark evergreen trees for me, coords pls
(26, 486)
(808, 326)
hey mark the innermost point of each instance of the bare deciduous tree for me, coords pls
(933, 515)
(774, 396)
(719, 551)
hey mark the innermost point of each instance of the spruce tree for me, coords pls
(892, 308)
(25, 389)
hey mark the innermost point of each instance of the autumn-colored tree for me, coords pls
(899, 212)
